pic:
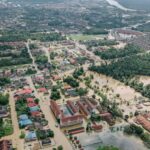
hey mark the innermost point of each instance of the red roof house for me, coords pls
(30, 100)
(31, 104)
(35, 113)
(144, 122)
(43, 90)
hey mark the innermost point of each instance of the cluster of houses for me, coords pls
(69, 91)
(3, 111)
(11, 73)
(125, 34)
(13, 44)
(18, 83)
(34, 122)
(42, 83)
(73, 113)
(68, 56)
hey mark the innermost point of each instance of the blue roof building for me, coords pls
(23, 117)
(30, 136)
(25, 122)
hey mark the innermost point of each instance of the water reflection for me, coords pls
(115, 138)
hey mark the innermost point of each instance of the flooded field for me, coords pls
(115, 86)
(145, 80)
(118, 139)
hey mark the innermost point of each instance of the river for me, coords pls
(116, 4)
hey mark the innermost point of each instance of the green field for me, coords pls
(82, 37)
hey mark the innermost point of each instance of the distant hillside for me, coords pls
(136, 4)
(34, 1)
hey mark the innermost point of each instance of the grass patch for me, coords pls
(82, 37)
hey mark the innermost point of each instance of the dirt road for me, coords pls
(59, 138)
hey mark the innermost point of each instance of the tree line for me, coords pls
(112, 53)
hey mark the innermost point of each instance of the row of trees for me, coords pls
(16, 59)
(138, 131)
(139, 87)
(125, 68)
(5, 47)
(24, 36)
(112, 53)
(107, 148)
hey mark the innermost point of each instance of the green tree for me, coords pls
(4, 99)
(60, 147)
(22, 135)
(82, 91)
(71, 81)
(107, 148)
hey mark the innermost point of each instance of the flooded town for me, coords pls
(73, 83)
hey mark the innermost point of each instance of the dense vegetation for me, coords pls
(133, 129)
(126, 68)
(30, 71)
(139, 87)
(82, 91)
(6, 127)
(42, 134)
(71, 81)
(5, 124)
(23, 36)
(107, 148)
(78, 72)
(55, 93)
(4, 81)
(21, 107)
(19, 58)
(4, 99)
(53, 55)
(5, 47)
(41, 59)
(117, 53)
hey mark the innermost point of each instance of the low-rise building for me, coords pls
(144, 121)
(6, 145)
(67, 115)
